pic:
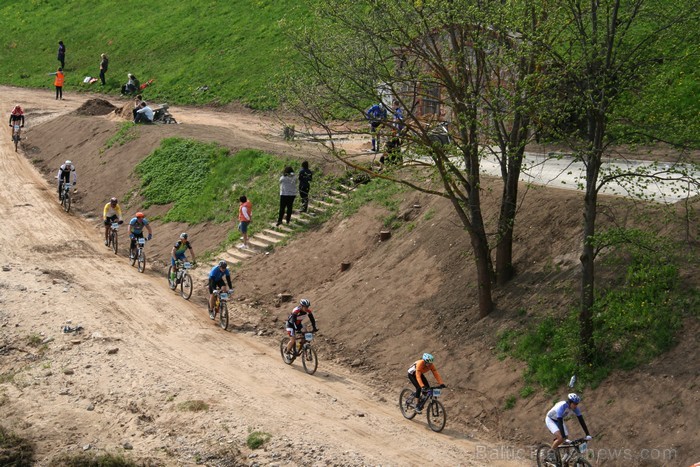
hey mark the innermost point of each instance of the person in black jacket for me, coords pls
(305, 176)
(61, 54)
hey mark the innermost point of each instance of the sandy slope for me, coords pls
(76, 394)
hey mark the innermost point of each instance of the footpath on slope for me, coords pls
(119, 383)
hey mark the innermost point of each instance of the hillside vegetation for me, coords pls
(233, 49)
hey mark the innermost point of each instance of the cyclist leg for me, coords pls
(422, 399)
(107, 226)
(292, 340)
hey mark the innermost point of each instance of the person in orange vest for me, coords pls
(245, 213)
(58, 82)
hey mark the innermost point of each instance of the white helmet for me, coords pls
(68, 162)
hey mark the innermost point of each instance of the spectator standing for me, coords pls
(288, 191)
(104, 65)
(61, 54)
(58, 82)
(376, 116)
(144, 114)
(245, 213)
(305, 176)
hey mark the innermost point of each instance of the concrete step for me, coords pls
(283, 228)
(337, 193)
(268, 239)
(256, 244)
(274, 233)
(335, 199)
(324, 204)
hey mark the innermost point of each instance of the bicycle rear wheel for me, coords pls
(283, 351)
(543, 456)
(436, 416)
(407, 403)
(142, 261)
(223, 315)
(186, 287)
(309, 359)
(581, 462)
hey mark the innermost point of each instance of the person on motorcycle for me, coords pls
(64, 176)
(216, 280)
(111, 213)
(416, 375)
(135, 231)
(555, 419)
(178, 253)
(17, 116)
(295, 322)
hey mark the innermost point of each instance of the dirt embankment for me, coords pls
(398, 299)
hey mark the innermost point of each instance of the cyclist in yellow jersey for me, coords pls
(178, 253)
(111, 213)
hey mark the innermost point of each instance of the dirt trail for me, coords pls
(76, 395)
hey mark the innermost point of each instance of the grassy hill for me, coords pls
(235, 49)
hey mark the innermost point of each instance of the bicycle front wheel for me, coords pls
(115, 242)
(283, 351)
(186, 287)
(67, 200)
(223, 315)
(407, 403)
(142, 261)
(436, 416)
(543, 453)
(309, 359)
(15, 138)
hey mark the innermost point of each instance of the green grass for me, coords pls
(256, 439)
(236, 49)
(634, 321)
(126, 133)
(15, 450)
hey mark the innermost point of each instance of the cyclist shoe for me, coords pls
(106, 243)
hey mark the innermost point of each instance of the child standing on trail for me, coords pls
(58, 82)
(245, 213)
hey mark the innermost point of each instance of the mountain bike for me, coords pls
(113, 238)
(138, 255)
(182, 278)
(303, 348)
(65, 196)
(565, 455)
(220, 307)
(16, 134)
(433, 407)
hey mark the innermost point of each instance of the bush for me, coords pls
(257, 438)
(14, 450)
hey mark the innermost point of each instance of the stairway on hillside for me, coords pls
(260, 242)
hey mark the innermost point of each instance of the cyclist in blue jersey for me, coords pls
(135, 230)
(178, 253)
(216, 279)
(376, 116)
(555, 419)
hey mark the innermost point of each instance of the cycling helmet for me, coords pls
(574, 398)
(183, 235)
(428, 358)
(17, 110)
(304, 302)
(139, 215)
(68, 163)
(223, 264)
(113, 200)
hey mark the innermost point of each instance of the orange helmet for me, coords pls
(139, 215)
